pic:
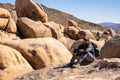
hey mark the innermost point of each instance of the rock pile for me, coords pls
(31, 42)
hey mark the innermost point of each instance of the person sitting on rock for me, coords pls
(85, 52)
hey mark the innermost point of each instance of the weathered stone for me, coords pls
(27, 8)
(12, 63)
(7, 36)
(32, 29)
(10, 57)
(72, 23)
(112, 32)
(14, 71)
(4, 13)
(111, 49)
(11, 27)
(81, 34)
(56, 29)
(41, 52)
(71, 32)
(3, 23)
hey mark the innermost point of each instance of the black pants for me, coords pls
(82, 56)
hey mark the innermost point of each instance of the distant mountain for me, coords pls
(115, 26)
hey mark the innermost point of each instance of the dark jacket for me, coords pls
(87, 48)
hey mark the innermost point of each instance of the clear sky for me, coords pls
(96, 11)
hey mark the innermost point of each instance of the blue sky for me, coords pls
(96, 11)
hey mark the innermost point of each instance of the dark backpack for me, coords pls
(96, 50)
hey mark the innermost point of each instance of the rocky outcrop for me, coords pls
(107, 69)
(3, 23)
(74, 24)
(11, 26)
(12, 63)
(32, 29)
(112, 32)
(8, 36)
(6, 22)
(41, 52)
(56, 29)
(4, 13)
(111, 49)
(81, 34)
(27, 8)
(71, 32)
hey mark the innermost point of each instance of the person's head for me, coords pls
(85, 39)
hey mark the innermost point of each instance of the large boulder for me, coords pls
(54, 25)
(71, 32)
(32, 29)
(112, 32)
(4, 13)
(3, 23)
(56, 29)
(14, 71)
(14, 15)
(7, 36)
(41, 52)
(6, 22)
(81, 34)
(27, 8)
(12, 63)
(11, 26)
(73, 23)
(111, 49)
(10, 57)
(67, 42)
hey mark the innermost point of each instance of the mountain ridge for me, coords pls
(115, 26)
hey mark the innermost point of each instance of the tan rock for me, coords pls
(14, 15)
(56, 29)
(100, 43)
(41, 52)
(111, 49)
(4, 13)
(73, 23)
(3, 23)
(71, 32)
(11, 27)
(104, 36)
(7, 36)
(32, 29)
(84, 33)
(112, 32)
(12, 63)
(14, 71)
(67, 42)
(56, 26)
(10, 57)
(27, 8)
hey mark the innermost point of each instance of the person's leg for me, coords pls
(82, 57)
(90, 57)
(72, 61)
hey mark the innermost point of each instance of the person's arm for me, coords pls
(77, 49)
(90, 47)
